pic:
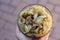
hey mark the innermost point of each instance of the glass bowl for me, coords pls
(24, 9)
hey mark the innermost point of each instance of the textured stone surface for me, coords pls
(57, 9)
(10, 27)
(5, 1)
(56, 32)
(57, 2)
(30, 1)
(52, 38)
(6, 8)
(15, 2)
(2, 22)
(9, 18)
(43, 2)
(4, 35)
(1, 13)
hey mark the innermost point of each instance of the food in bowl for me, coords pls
(35, 21)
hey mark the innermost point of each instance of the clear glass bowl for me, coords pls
(19, 17)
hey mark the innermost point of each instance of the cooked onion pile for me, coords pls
(35, 21)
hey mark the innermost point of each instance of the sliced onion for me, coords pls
(39, 19)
